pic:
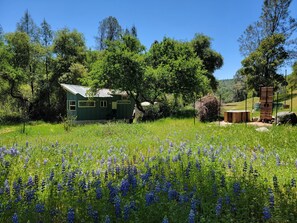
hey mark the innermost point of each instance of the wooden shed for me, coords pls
(106, 104)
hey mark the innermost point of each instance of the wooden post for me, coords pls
(291, 99)
(276, 107)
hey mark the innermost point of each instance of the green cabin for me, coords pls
(106, 104)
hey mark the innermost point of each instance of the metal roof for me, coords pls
(83, 91)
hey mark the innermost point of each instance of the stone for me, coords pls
(262, 129)
(286, 118)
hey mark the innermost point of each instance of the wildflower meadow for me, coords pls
(167, 171)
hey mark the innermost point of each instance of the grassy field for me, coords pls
(165, 171)
(251, 101)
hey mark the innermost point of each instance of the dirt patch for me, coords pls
(4, 131)
(260, 124)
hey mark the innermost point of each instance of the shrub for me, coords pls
(208, 108)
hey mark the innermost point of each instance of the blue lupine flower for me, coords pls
(229, 164)
(98, 193)
(149, 198)
(95, 216)
(132, 180)
(189, 152)
(112, 191)
(227, 199)
(165, 220)
(219, 206)
(117, 206)
(175, 158)
(173, 194)
(194, 203)
(133, 205)
(107, 219)
(70, 216)
(158, 187)
(236, 188)
(271, 198)
(39, 208)
(124, 187)
(30, 195)
(126, 212)
(59, 187)
(266, 213)
(191, 216)
(198, 165)
(51, 175)
(15, 218)
(6, 187)
(18, 198)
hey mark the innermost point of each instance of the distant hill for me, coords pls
(226, 90)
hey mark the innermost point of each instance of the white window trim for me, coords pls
(86, 106)
(69, 105)
(103, 104)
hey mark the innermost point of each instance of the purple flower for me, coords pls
(165, 220)
(236, 188)
(6, 187)
(191, 216)
(117, 206)
(98, 193)
(107, 219)
(15, 218)
(52, 174)
(219, 206)
(70, 216)
(112, 191)
(173, 194)
(266, 213)
(30, 195)
(124, 187)
(271, 198)
(126, 212)
(39, 208)
(59, 187)
(149, 198)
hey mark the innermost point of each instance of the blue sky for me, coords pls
(223, 20)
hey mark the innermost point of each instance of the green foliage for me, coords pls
(261, 66)
(226, 90)
(176, 69)
(68, 122)
(211, 59)
(109, 30)
(292, 79)
(275, 19)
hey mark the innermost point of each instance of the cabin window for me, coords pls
(86, 104)
(72, 105)
(103, 104)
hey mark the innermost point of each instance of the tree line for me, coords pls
(36, 59)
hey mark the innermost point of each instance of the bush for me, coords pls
(208, 108)
(11, 118)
